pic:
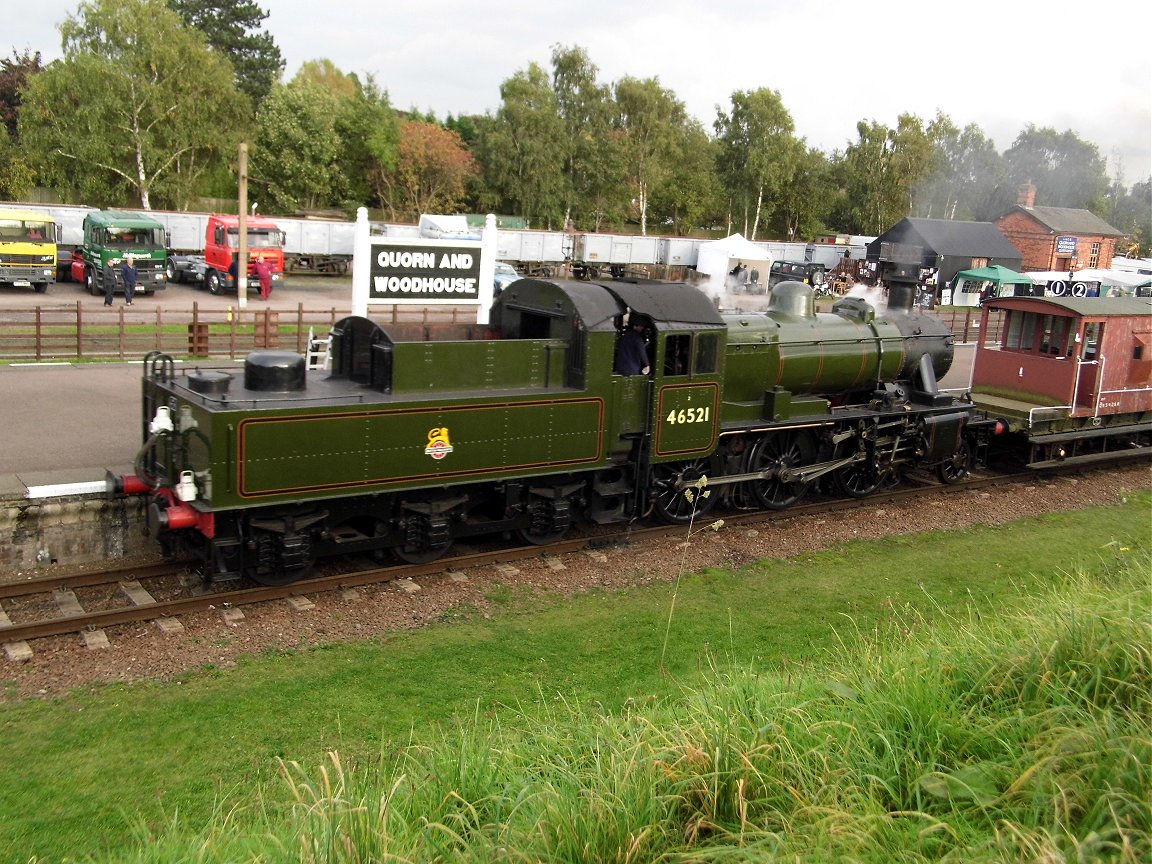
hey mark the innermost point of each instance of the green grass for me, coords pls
(82, 771)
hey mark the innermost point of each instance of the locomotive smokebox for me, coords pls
(274, 371)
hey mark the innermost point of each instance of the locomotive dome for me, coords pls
(792, 298)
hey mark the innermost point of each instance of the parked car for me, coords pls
(795, 271)
(505, 275)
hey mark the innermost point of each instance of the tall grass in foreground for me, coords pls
(1024, 738)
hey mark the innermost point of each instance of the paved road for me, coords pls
(67, 423)
(69, 420)
(315, 292)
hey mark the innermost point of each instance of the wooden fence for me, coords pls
(44, 333)
(965, 323)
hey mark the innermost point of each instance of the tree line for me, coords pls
(151, 98)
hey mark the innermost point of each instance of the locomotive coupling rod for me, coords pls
(782, 473)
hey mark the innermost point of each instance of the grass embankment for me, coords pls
(923, 698)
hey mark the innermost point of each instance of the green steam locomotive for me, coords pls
(531, 427)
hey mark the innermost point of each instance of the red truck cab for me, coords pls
(222, 242)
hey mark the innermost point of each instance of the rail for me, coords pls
(77, 619)
(66, 333)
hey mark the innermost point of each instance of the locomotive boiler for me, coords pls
(528, 428)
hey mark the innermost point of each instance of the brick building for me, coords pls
(1058, 238)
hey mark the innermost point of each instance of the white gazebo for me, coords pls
(718, 257)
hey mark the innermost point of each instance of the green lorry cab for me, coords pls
(110, 237)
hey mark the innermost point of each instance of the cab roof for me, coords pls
(121, 219)
(670, 305)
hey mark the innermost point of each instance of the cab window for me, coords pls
(707, 353)
(676, 354)
(697, 354)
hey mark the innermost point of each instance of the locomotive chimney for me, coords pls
(901, 296)
(1026, 196)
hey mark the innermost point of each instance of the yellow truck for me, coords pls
(28, 241)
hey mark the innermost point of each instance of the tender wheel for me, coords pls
(781, 454)
(278, 578)
(275, 560)
(955, 467)
(675, 497)
(550, 521)
(417, 555)
(215, 284)
(527, 535)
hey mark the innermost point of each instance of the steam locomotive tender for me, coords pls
(409, 446)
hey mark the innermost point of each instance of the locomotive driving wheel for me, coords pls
(677, 497)
(859, 480)
(779, 456)
(863, 476)
(955, 467)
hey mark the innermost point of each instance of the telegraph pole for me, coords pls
(242, 252)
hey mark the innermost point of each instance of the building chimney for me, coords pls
(1026, 197)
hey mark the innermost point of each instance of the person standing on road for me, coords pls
(109, 276)
(264, 275)
(128, 272)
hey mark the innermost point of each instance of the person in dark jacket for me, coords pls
(109, 276)
(129, 274)
(631, 350)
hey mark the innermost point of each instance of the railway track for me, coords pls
(62, 603)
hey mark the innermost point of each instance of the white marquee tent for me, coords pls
(718, 257)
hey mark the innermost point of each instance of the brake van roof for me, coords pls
(1082, 307)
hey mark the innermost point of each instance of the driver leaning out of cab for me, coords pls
(632, 349)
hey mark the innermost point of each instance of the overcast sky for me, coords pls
(1000, 64)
